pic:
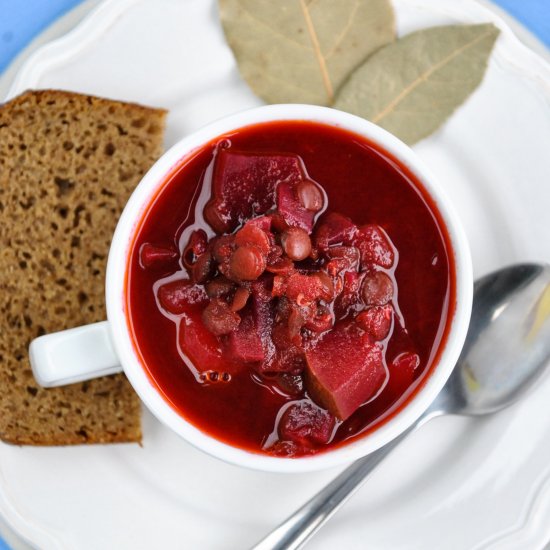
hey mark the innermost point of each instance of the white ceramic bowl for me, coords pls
(103, 348)
(116, 276)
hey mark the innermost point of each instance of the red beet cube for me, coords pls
(344, 369)
(306, 424)
(285, 337)
(375, 246)
(244, 186)
(201, 347)
(182, 296)
(262, 222)
(350, 296)
(279, 285)
(334, 229)
(262, 312)
(245, 343)
(321, 322)
(291, 210)
(304, 289)
(153, 256)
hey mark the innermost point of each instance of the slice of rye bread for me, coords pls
(68, 163)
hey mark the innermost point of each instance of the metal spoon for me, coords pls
(506, 350)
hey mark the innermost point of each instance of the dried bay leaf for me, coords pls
(300, 51)
(412, 86)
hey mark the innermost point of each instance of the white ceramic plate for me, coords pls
(455, 484)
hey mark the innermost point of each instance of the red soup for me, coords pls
(290, 287)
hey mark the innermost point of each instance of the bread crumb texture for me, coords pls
(68, 163)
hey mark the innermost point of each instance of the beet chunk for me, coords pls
(344, 369)
(262, 311)
(306, 424)
(327, 284)
(289, 356)
(291, 210)
(285, 342)
(156, 256)
(244, 186)
(321, 319)
(334, 229)
(262, 222)
(349, 296)
(304, 289)
(181, 296)
(201, 347)
(245, 343)
(375, 246)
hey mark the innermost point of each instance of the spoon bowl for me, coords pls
(506, 352)
(508, 341)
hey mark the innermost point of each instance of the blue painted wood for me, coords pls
(534, 14)
(22, 20)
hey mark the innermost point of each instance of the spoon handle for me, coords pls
(298, 528)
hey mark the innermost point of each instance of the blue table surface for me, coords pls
(22, 20)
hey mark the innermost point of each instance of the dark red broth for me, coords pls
(241, 404)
